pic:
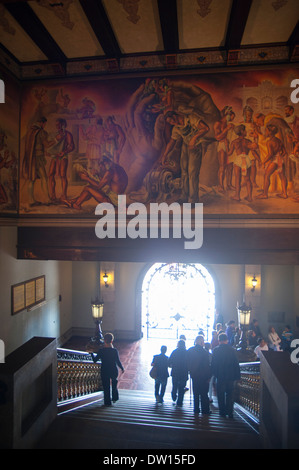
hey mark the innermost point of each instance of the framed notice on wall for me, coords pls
(28, 294)
(18, 298)
(40, 289)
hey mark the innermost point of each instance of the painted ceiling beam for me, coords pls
(31, 24)
(169, 25)
(13, 1)
(294, 40)
(96, 15)
(237, 23)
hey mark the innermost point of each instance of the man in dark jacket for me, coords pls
(109, 368)
(179, 372)
(160, 361)
(226, 369)
(199, 368)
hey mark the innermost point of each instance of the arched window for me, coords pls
(177, 299)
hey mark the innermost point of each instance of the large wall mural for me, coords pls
(228, 140)
(9, 148)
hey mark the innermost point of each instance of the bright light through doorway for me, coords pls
(177, 299)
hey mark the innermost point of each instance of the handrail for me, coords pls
(77, 375)
(248, 389)
(72, 354)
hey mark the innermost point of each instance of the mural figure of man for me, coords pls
(114, 138)
(34, 161)
(223, 130)
(292, 120)
(286, 136)
(242, 161)
(166, 97)
(3, 195)
(274, 162)
(88, 108)
(3, 138)
(104, 186)
(8, 166)
(94, 135)
(250, 132)
(296, 159)
(259, 134)
(189, 129)
(59, 160)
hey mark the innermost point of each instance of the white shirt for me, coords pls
(274, 339)
(258, 349)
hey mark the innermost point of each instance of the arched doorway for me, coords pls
(177, 299)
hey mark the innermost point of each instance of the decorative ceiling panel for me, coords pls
(270, 21)
(47, 38)
(202, 23)
(136, 25)
(69, 27)
(16, 40)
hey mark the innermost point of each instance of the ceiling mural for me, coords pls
(68, 25)
(135, 25)
(270, 21)
(41, 38)
(131, 8)
(61, 10)
(4, 21)
(14, 38)
(204, 22)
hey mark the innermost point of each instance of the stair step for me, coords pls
(137, 422)
(137, 409)
(147, 412)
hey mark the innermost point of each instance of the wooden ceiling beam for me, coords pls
(12, 1)
(237, 23)
(293, 43)
(271, 246)
(294, 37)
(31, 24)
(169, 25)
(96, 15)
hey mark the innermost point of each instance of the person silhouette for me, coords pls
(110, 362)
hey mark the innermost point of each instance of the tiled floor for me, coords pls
(136, 357)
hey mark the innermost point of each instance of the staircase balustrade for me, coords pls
(248, 389)
(77, 375)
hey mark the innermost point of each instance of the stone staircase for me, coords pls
(137, 422)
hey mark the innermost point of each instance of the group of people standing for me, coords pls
(269, 142)
(202, 367)
(47, 157)
(254, 339)
(38, 145)
(207, 364)
(273, 341)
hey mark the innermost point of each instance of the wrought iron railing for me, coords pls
(77, 375)
(248, 389)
